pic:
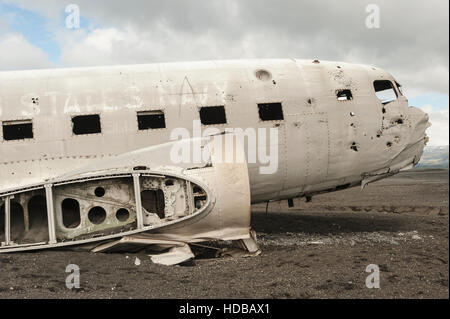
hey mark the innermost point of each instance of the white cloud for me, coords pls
(106, 46)
(413, 46)
(412, 42)
(439, 130)
(17, 53)
(427, 108)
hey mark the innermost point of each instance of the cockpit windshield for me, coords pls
(385, 91)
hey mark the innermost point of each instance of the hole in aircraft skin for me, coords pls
(199, 197)
(17, 230)
(354, 147)
(122, 215)
(270, 111)
(153, 202)
(263, 75)
(169, 182)
(37, 208)
(151, 120)
(17, 130)
(211, 115)
(86, 124)
(344, 95)
(97, 215)
(70, 213)
(99, 192)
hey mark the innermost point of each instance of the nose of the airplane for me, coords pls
(418, 124)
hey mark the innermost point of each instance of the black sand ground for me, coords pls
(314, 250)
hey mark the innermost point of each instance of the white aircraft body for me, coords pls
(96, 157)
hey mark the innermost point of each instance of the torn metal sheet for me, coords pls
(136, 243)
(175, 255)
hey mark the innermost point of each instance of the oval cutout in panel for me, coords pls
(70, 213)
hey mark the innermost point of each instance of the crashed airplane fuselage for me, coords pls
(176, 153)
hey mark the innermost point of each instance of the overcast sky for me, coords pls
(411, 42)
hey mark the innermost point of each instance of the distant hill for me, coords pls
(434, 157)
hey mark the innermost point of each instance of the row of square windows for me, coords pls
(209, 115)
(147, 120)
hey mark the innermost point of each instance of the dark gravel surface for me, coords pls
(314, 250)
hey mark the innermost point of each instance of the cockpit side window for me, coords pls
(385, 91)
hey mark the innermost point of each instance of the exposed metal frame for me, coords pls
(50, 214)
(7, 241)
(138, 201)
(52, 243)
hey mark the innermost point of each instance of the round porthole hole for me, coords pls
(99, 192)
(122, 215)
(97, 215)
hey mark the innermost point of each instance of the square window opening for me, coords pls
(344, 95)
(212, 115)
(86, 124)
(17, 130)
(150, 120)
(270, 111)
